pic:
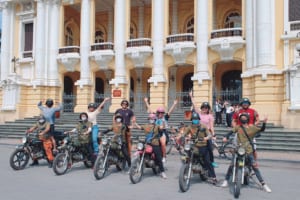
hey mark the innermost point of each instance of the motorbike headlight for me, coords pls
(187, 147)
(140, 146)
(241, 151)
(24, 140)
(104, 141)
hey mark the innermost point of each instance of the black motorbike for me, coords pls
(71, 151)
(110, 154)
(144, 157)
(192, 163)
(31, 147)
(241, 170)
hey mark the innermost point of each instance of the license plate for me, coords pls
(241, 163)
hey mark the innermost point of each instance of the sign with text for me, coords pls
(117, 93)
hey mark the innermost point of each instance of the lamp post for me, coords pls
(14, 60)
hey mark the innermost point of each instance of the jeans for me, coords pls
(204, 152)
(95, 130)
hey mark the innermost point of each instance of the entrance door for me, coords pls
(69, 98)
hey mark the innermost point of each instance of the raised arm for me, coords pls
(147, 105)
(99, 108)
(193, 102)
(173, 107)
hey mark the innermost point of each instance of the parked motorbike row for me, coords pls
(70, 152)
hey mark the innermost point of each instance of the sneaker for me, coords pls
(164, 160)
(266, 188)
(214, 164)
(163, 175)
(34, 162)
(224, 184)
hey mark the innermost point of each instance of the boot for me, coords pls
(50, 163)
(34, 162)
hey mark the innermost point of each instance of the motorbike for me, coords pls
(110, 153)
(144, 158)
(31, 147)
(174, 142)
(192, 163)
(224, 149)
(70, 152)
(241, 170)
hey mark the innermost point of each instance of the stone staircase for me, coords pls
(275, 138)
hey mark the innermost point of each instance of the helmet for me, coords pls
(160, 110)
(245, 115)
(195, 116)
(49, 102)
(83, 113)
(91, 105)
(118, 115)
(205, 105)
(124, 101)
(152, 116)
(41, 119)
(245, 101)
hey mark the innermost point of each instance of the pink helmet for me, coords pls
(152, 116)
(160, 110)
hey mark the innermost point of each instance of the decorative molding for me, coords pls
(200, 76)
(138, 54)
(159, 78)
(180, 50)
(102, 57)
(69, 60)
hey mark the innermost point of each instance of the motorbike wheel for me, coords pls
(99, 168)
(227, 150)
(135, 174)
(184, 179)
(238, 183)
(60, 164)
(19, 159)
(169, 147)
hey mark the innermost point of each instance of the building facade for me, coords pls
(80, 51)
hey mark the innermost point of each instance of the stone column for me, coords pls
(249, 34)
(110, 26)
(174, 17)
(141, 22)
(202, 41)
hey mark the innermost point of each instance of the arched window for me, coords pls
(133, 31)
(190, 26)
(69, 38)
(233, 20)
(99, 37)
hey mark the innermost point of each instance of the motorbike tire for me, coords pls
(134, 174)
(238, 183)
(100, 168)
(60, 164)
(169, 147)
(184, 180)
(19, 159)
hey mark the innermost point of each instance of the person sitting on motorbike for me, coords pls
(120, 129)
(46, 137)
(162, 120)
(152, 132)
(199, 133)
(84, 129)
(245, 134)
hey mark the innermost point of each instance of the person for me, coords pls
(207, 119)
(253, 117)
(84, 129)
(48, 112)
(92, 113)
(229, 112)
(44, 134)
(162, 121)
(245, 133)
(120, 129)
(128, 117)
(218, 109)
(199, 132)
(154, 134)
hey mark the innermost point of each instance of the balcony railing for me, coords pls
(69, 49)
(295, 26)
(27, 54)
(102, 46)
(228, 32)
(139, 42)
(185, 37)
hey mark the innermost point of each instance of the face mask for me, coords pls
(151, 121)
(83, 118)
(244, 121)
(118, 120)
(41, 121)
(195, 121)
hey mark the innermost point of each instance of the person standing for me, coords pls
(92, 113)
(128, 118)
(218, 109)
(229, 113)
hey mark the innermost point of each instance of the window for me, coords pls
(190, 26)
(294, 8)
(99, 37)
(69, 38)
(28, 40)
(233, 20)
(133, 31)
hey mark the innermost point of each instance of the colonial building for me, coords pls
(79, 51)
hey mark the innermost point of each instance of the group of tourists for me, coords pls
(202, 124)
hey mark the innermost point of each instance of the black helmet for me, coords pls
(205, 105)
(245, 101)
(245, 115)
(195, 116)
(125, 101)
(49, 102)
(118, 115)
(91, 105)
(83, 113)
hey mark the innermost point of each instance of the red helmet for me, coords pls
(160, 110)
(152, 116)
